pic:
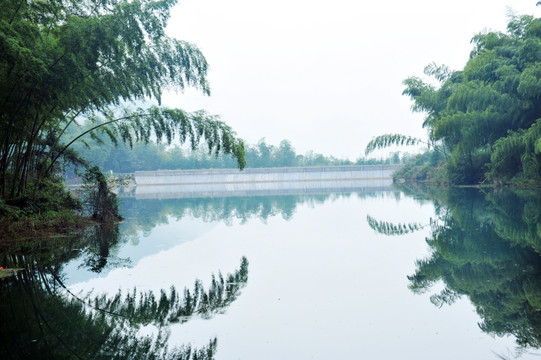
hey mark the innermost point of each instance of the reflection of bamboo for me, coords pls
(37, 303)
(40, 317)
(29, 283)
(388, 228)
(13, 314)
(36, 312)
(57, 279)
(61, 310)
(170, 309)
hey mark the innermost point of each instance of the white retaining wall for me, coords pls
(258, 189)
(264, 175)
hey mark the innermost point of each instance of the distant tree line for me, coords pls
(153, 156)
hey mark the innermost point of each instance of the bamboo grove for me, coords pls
(67, 63)
(485, 119)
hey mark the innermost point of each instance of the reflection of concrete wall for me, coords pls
(258, 189)
(250, 182)
(326, 173)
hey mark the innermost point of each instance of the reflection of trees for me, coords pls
(388, 228)
(143, 308)
(101, 246)
(42, 319)
(146, 214)
(518, 218)
(488, 248)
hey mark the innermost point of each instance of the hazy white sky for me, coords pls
(327, 75)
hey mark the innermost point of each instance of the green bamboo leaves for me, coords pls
(65, 63)
(479, 115)
(387, 140)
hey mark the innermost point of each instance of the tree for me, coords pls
(100, 200)
(485, 117)
(66, 62)
(285, 155)
(265, 152)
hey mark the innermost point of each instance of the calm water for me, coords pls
(370, 274)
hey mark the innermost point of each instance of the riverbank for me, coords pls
(430, 170)
(42, 225)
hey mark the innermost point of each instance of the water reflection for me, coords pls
(99, 250)
(391, 229)
(486, 246)
(44, 319)
(145, 214)
(259, 188)
(41, 318)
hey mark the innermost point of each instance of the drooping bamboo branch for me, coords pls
(190, 127)
(387, 140)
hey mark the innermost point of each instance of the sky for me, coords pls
(326, 75)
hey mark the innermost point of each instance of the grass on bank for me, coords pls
(41, 224)
(55, 210)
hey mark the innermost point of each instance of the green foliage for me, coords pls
(64, 63)
(506, 155)
(425, 167)
(465, 170)
(387, 140)
(51, 196)
(100, 201)
(154, 156)
(485, 116)
(517, 155)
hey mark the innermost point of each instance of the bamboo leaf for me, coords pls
(387, 140)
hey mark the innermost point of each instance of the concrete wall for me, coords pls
(258, 189)
(265, 175)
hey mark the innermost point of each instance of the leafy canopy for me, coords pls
(64, 62)
(485, 117)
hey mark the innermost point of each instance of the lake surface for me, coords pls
(375, 273)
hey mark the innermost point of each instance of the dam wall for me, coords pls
(264, 175)
(261, 181)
